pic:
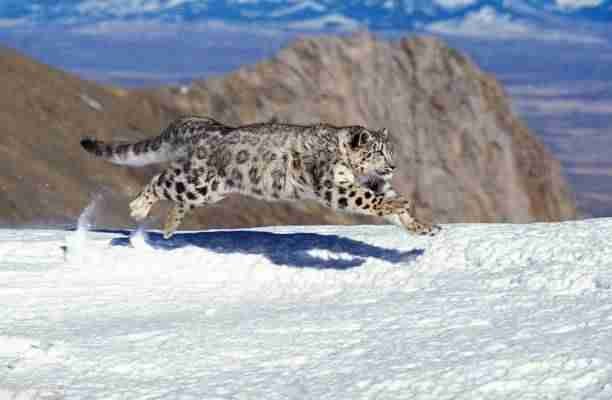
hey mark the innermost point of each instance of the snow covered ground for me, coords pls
(478, 312)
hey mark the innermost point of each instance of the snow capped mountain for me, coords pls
(299, 14)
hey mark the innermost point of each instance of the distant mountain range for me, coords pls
(441, 15)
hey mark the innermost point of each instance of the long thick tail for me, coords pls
(175, 142)
(134, 154)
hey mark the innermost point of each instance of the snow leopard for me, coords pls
(346, 168)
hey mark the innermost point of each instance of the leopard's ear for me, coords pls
(385, 132)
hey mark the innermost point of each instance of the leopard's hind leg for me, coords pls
(141, 205)
(189, 189)
(174, 219)
(162, 187)
(180, 208)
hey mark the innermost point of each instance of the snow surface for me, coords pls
(478, 312)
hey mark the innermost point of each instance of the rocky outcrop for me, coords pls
(463, 155)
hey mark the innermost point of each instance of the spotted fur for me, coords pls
(346, 168)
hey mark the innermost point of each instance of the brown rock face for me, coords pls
(462, 154)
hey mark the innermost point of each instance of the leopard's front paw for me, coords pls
(427, 229)
(418, 227)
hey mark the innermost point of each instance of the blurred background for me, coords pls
(500, 109)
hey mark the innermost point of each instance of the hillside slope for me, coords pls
(463, 155)
(46, 177)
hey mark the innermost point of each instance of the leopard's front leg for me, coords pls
(400, 211)
(397, 210)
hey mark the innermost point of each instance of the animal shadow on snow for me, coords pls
(290, 249)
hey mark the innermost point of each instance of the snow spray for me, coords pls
(75, 242)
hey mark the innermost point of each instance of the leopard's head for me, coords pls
(369, 154)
